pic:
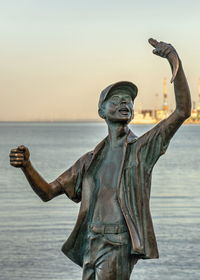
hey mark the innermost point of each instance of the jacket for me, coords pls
(134, 188)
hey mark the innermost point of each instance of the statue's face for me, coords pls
(118, 107)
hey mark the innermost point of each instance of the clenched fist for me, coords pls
(19, 157)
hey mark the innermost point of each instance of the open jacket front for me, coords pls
(133, 192)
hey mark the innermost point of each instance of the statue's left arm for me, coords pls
(182, 92)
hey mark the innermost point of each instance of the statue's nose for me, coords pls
(123, 101)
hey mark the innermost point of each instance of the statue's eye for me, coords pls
(128, 99)
(115, 99)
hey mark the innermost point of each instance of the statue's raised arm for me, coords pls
(182, 92)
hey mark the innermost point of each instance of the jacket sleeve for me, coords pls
(155, 142)
(71, 179)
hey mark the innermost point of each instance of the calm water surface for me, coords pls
(32, 232)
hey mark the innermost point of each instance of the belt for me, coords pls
(107, 228)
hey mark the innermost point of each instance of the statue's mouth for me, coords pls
(124, 110)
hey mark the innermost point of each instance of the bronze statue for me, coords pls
(113, 182)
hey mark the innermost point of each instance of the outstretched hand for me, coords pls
(161, 48)
(167, 51)
(19, 157)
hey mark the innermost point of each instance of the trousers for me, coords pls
(108, 257)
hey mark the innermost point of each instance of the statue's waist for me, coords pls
(107, 228)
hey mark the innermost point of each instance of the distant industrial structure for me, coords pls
(151, 116)
(195, 116)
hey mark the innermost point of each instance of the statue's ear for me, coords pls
(133, 114)
(101, 112)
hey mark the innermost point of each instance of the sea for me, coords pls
(32, 232)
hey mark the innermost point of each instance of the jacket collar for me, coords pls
(131, 137)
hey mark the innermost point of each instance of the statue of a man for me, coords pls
(113, 182)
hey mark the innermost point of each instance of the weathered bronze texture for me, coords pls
(113, 182)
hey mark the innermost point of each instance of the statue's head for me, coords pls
(116, 102)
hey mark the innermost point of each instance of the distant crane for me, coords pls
(198, 107)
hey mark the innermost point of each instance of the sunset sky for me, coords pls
(57, 55)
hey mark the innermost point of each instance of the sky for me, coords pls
(57, 55)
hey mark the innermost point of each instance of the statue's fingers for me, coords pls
(16, 163)
(167, 52)
(155, 51)
(13, 150)
(164, 43)
(11, 154)
(163, 51)
(14, 155)
(16, 159)
(153, 42)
